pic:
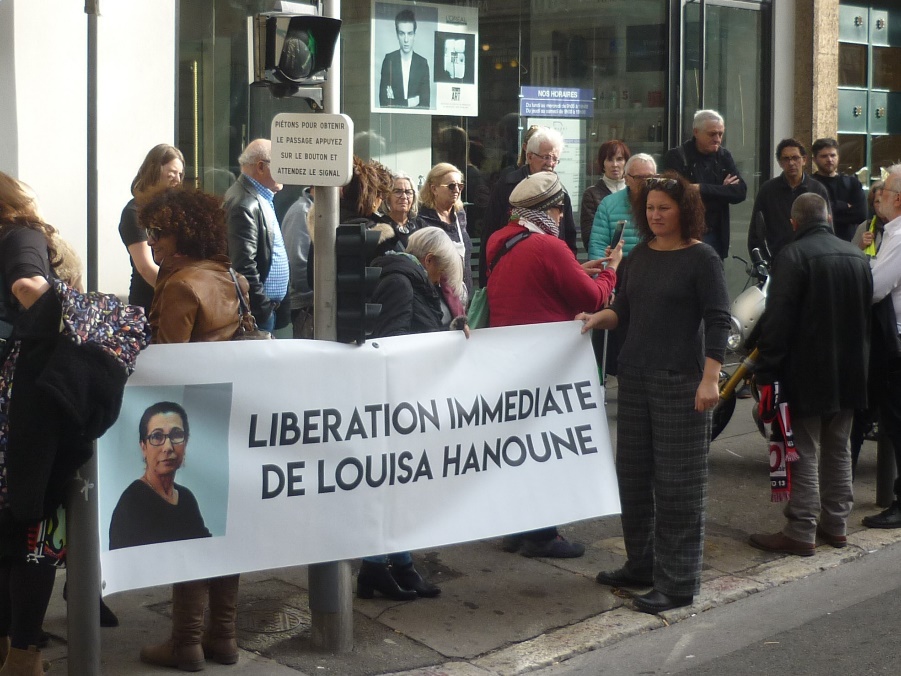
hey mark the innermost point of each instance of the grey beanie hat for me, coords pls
(540, 191)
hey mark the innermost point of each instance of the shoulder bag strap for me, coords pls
(242, 306)
(509, 244)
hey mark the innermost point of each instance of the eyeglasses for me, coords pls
(661, 183)
(640, 177)
(403, 193)
(553, 159)
(453, 186)
(176, 435)
(792, 158)
(154, 234)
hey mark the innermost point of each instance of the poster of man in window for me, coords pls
(424, 59)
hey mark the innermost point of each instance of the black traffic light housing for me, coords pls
(355, 246)
(295, 49)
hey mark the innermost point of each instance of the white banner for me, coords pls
(303, 451)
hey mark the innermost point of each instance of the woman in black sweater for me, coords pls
(674, 306)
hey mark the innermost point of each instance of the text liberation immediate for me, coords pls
(371, 421)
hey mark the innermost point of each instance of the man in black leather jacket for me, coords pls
(255, 243)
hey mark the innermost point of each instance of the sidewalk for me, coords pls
(500, 613)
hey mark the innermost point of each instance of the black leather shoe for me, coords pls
(376, 577)
(657, 602)
(407, 577)
(890, 518)
(620, 578)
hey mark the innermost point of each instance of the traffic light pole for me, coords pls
(331, 603)
(83, 557)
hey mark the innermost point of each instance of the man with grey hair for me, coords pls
(814, 351)
(712, 171)
(886, 268)
(543, 153)
(255, 243)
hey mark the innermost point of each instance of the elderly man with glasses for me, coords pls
(771, 227)
(543, 153)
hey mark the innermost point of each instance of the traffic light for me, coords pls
(294, 49)
(355, 246)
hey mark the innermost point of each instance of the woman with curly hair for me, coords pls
(164, 166)
(195, 300)
(672, 298)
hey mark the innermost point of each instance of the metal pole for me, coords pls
(83, 559)
(331, 603)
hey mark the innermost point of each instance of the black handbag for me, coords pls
(247, 328)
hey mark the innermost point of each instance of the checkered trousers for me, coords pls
(661, 465)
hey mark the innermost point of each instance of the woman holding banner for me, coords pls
(412, 302)
(195, 300)
(673, 298)
(534, 277)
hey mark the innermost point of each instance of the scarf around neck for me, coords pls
(539, 219)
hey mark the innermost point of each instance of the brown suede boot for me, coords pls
(182, 650)
(23, 662)
(219, 642)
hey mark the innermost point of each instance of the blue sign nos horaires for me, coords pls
(556, 102)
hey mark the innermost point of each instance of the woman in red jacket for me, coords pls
(535, 278)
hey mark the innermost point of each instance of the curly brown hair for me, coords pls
(691, 208)
(370, 182)
(195, 218)
(19, 207)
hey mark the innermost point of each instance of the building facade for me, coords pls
(180, 71)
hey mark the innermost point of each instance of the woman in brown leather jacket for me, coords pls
(194, 300)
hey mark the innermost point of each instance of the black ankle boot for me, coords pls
(408, 577)
(376, 577)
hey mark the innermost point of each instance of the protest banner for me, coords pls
(302, 451)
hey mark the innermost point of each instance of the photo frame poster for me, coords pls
(423, 59)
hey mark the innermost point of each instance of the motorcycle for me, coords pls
(746, 311)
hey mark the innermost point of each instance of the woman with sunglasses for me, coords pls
(442, 207)
(195, 300)
(672, 297)
(164, 166)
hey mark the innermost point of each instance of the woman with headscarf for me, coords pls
(534, 277)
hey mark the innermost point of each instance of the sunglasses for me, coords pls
(403, 193)
(154, 234)
(453, 186)
(656, 182)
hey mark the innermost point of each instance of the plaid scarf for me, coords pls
(539, 219)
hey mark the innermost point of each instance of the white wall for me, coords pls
(43, 132)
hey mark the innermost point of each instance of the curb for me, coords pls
(622, 623)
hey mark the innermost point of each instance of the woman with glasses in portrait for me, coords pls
(164, 166)
(672, 299)
(154, 508)
(442, 207)
(195, 300)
